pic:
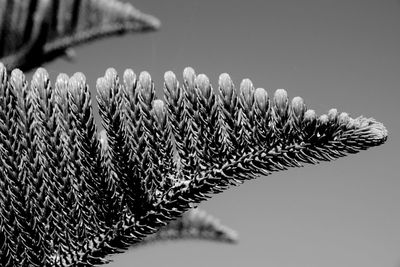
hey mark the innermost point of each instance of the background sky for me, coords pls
(342, 54)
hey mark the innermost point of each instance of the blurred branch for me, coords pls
(36, 31)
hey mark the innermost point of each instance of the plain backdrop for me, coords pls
(342, 54)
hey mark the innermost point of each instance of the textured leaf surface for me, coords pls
(163, 156)
(194, 224)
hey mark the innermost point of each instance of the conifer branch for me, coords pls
(110, 197)
(36, 31)
(195, 223)
(321, 139)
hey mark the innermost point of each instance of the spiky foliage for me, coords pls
(67, 202)
(194, 224)
(35, 31)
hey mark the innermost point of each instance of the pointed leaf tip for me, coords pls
(281, 102)
(323, 119)
(75, 86)
(129, 78)
(17, 78)
(226, 85)
(61, 86)
(189, 77)
(171, 86)
(146, 86)
(41, 72)
(62, 77)
(145, 79)
(111, 74)
(332, 114)
(343, 118)
(170, 81)
(203, 84)
(310, 115)
(189, 74)
(103, 87)
(78, 83)
(225, 81)
(261, 98)
(41, 76)
(298, 106)
(378, 130)
(247, 92)
(80, 77)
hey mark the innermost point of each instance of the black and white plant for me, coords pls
(69, 197)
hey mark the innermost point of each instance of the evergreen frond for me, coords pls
(70, 198)
(194, 224)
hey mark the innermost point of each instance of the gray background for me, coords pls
(335, 54)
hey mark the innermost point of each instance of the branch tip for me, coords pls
(332, 114)
(102, 86)
(75, 85)
(344, 118)
(310, 115)
(189, 75)
(170, 81)
(146, 86)
(379, 131)
(17, 78)
(40, 76)
(323, 119)
(281, 102)
(129, 78)
(226, 85)
(111, 74)
(246, 87)
(80, 77)
(376, 129)
(203, 84)
(298, 106)
(261, 98)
